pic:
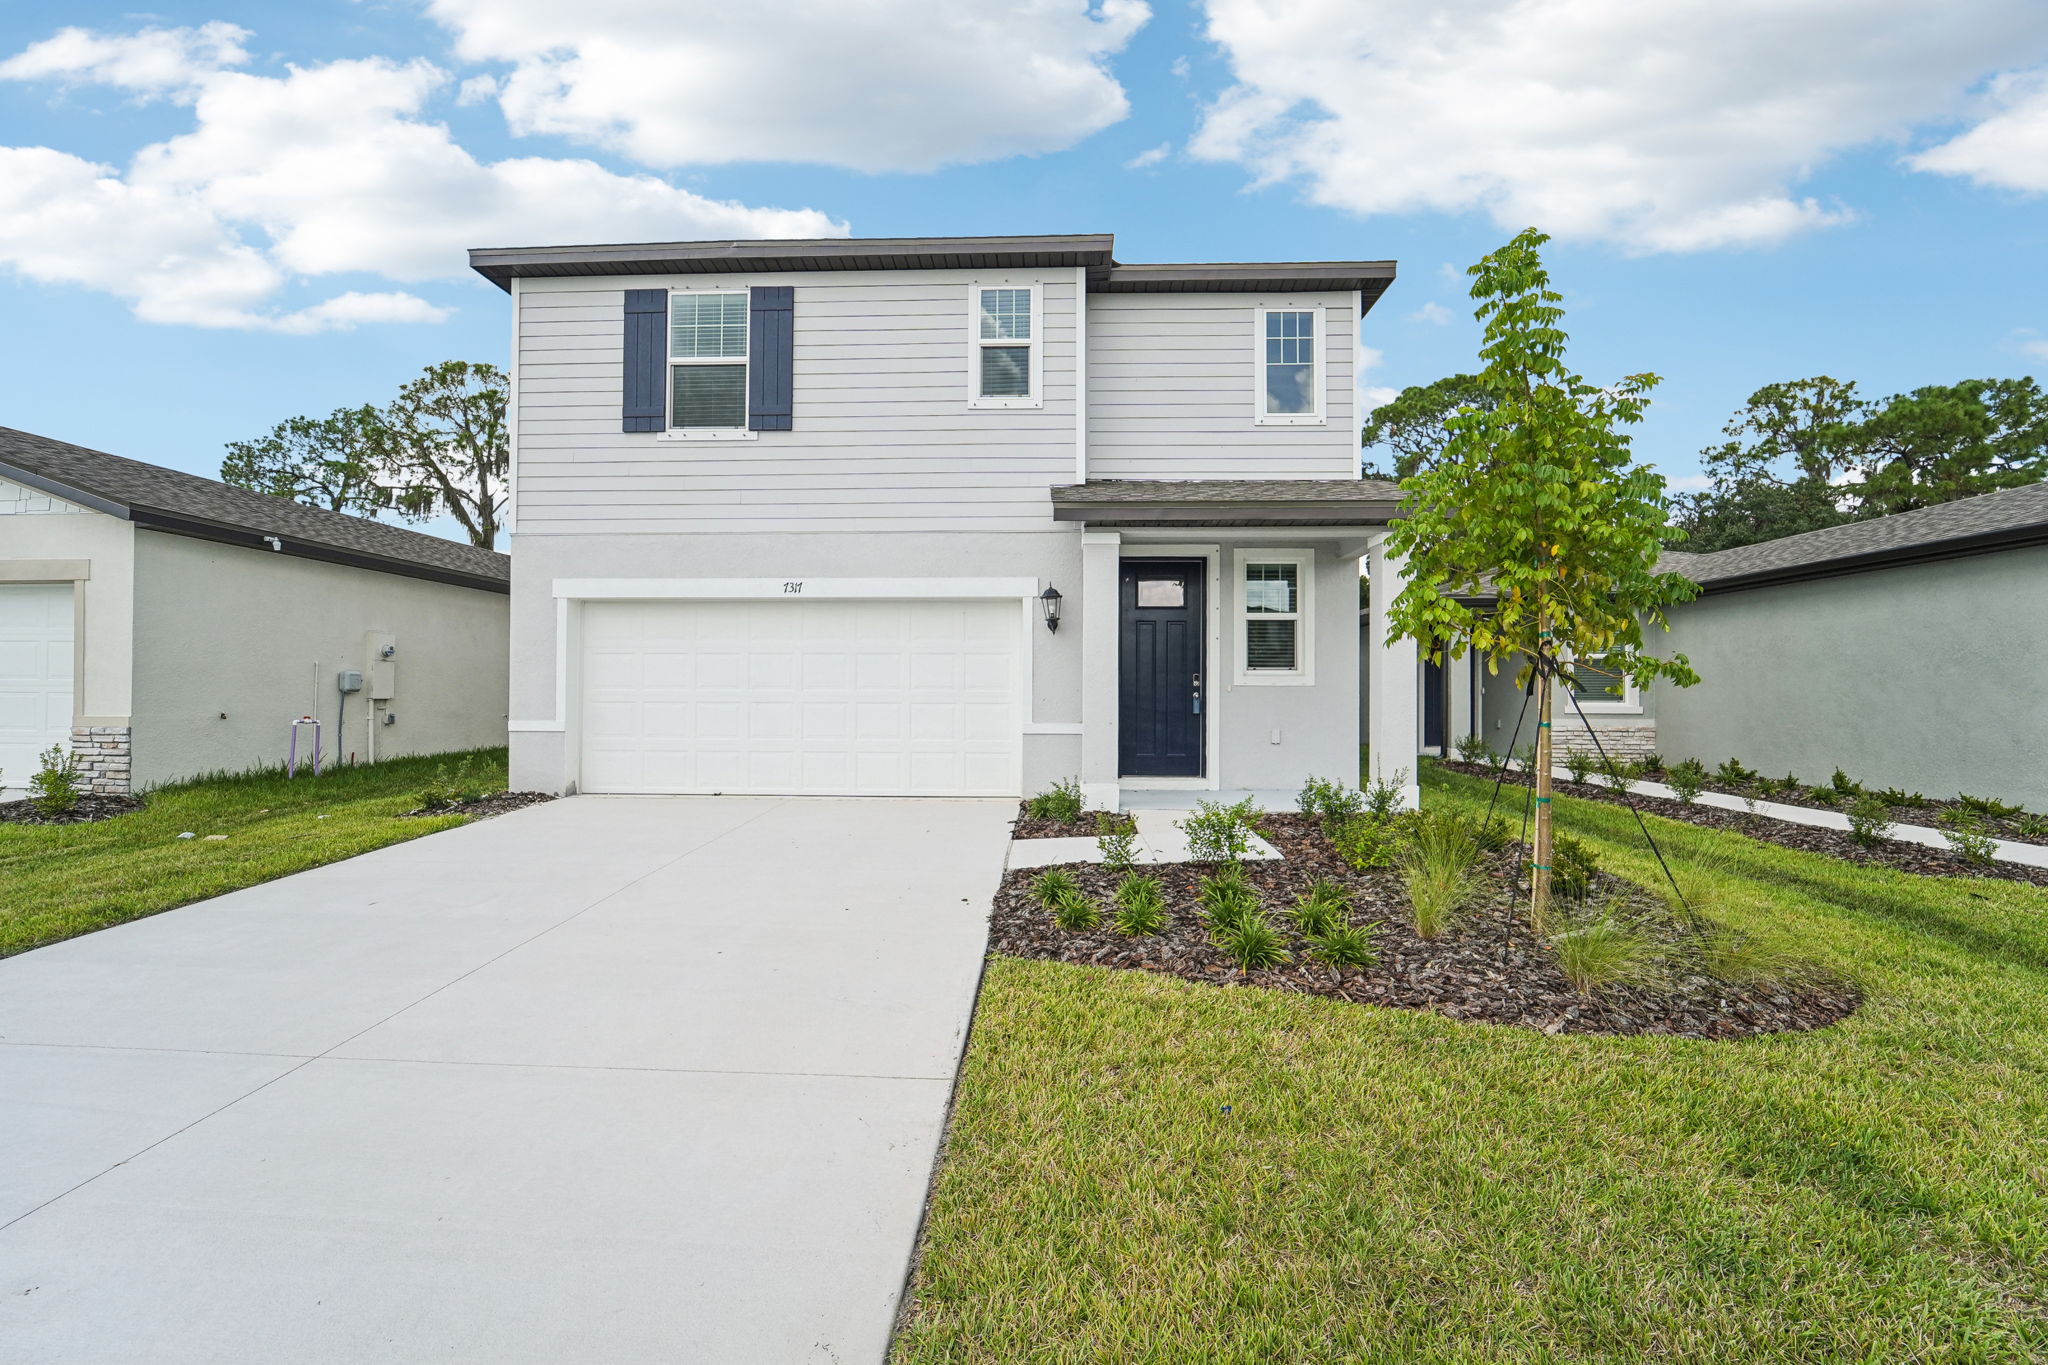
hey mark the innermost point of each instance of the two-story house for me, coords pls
(938, 516)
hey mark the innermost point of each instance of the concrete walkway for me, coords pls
(603, 1080)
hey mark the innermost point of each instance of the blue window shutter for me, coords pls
(644, 407)
(771, 317)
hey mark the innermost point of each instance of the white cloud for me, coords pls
(1676, 126)
(476, 90)
(2031, 342)
(1686, 483)
(325, 170)
(882, 85)
(150, 60)
(1434, 313)
(1151, 156)
(1371, 396)
(2009, 149)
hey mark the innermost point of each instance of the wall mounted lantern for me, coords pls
(1049, 603)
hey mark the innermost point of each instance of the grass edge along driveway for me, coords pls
(59, 881)
(1143, 1169)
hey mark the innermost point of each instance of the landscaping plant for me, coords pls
(1219, 833)
(1475, 749)
(1968, 835)
(1321, 908)
(1074, 911)
(1250, 942)
(1140, 905)
(1383, 796)
(1540, 497)
(1364, 843)
(1649, 765)
(449, 789)
(1573, 867)
(1622, 774)
(54, 788)
(1731, 773)
(1604, 950)
(1049, 887)
(1988, 807)
(1116, 840)
(1899, 796)
(1687, 778)
(2031, 826)
(1227, 897)
(1330, 802)
(1346, 946)
(1437, 866)
(1061, 802)
(1579, 763)
(1845, 784)
(1870, 821)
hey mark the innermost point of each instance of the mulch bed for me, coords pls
(88, 809)
(484, 807)
(1028, 826)
(1486, 968)
(1919, 859)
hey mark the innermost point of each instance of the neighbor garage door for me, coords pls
(820, 697)
(35, 675)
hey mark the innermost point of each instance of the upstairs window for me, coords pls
(707, 361)
(1273, 616)
(1002, 350)
(1290, 368)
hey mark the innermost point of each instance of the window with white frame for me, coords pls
(1290, 368)
(707, 361)
(1273, 618)
(1002, 346)
(1598, 686)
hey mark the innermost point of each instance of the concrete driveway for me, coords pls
(604, 1080)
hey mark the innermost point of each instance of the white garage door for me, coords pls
(821, 697)
(35, 675)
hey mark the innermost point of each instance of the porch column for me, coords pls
(1394, 720)
(1100, 568)
(1458, 710)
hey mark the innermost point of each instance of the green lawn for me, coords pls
(1142, 1169)
(57, 881)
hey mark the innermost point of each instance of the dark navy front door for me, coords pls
(1160, 670)
(1432, 705)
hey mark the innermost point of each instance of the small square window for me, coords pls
(1006, 314)
(1162, 592)
(1270, 587)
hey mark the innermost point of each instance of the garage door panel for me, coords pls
(35, 673)
(826, 697)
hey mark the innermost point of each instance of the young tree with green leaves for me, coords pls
(1539, 495)
(325, 462)
(1415, 425)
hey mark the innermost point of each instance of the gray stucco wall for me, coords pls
(1317, 725)
(1927, 677)
(260, 636)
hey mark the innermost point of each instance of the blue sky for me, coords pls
(1850, 187)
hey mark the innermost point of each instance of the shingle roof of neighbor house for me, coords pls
(1227, 502)
(170, 500)
(1092, 252)
(1990, 521)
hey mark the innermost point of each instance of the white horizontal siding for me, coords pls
(1171, 389)
(883, 440)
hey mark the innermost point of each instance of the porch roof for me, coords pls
(1227, 502)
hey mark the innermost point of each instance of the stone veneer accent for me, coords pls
(102, 753)
(1626, 739)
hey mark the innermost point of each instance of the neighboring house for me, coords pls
(1907, 650)
(794, 517)
(161, 625)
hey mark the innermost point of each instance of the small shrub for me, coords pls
(1346, 946)
(1987, 807)
(1579, 763)
(1870, 821)
(1733, 774)
(1074, 911)
(1526, 757)
(1688, 779)
(1604, 951)
(1493, 836)
(1321, 908)
(54, 788)
(1845, 784)
(2031, 826)
(1572, 867)
(1968, 835)
(1365, 843)
(1383, 797)
(1140, 905)
(1475, 749)
(1621, 774)
(1116, 840)
(1330, 802)
(1061, 802)
(1899, 796)
(1049, 887)
(1649, 764)
(1250, 942)
(1437, 865)
(1227, 896)
(1824, 796)
(1218, 833)
(447, 790)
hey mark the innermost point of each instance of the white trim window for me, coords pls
(1289, 345)
(1598, 689)
(707, 362)
(1004, 332)
(1275, 637)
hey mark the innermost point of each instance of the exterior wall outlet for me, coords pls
(1275, 738)
(349, 680)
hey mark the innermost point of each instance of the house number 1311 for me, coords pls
(793, 587)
